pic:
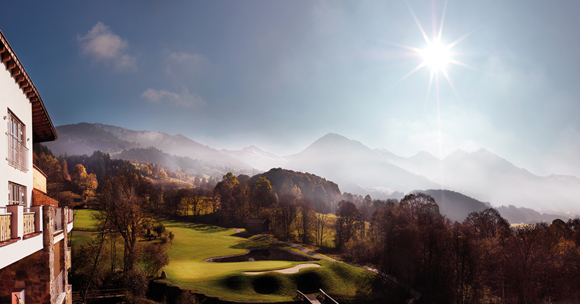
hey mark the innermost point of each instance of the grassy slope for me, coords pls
(227, 281)
(84, 218)
(194, 243)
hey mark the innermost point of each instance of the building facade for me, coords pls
(34, 252)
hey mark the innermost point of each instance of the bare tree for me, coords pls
(122, 199)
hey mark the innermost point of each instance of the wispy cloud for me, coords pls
(185, 99)
(103, 45)
(184, 63)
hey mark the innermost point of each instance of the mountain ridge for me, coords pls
(85, 138)
(480, 174)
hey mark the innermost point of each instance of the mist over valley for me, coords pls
(479, 175)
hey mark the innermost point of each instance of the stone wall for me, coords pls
(31, 273)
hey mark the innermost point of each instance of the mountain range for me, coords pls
(144, 146)
(481, 174)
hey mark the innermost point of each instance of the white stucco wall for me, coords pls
(12, 97)
(19, 250)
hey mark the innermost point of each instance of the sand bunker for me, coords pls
(294, 269)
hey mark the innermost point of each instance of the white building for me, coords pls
(34, 255)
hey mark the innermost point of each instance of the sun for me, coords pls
(437, 56)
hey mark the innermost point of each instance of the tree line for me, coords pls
(480, 260)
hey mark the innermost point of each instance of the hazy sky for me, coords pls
(281, 74)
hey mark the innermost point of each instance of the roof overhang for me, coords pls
(42, 127)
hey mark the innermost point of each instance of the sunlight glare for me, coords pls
(436, 56)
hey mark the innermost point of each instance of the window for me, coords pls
(16, 194)
(16, 135)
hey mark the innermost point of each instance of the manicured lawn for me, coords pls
(80, 238)
(84, 219)
(193, 243)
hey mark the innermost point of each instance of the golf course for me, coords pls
(194, 243)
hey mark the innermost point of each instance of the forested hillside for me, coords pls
(302, 184)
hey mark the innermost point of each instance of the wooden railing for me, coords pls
(58, 284)
(68, 258)
(301, 296)
(5, 225)
(58, 219)
(29, 226)
(70, 215)
(324, 298)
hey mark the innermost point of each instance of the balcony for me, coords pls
(70, 216)
(20, 232)
(29, 226)
(62, 222)
(17, 153)
(58, 219)
(17, 222)
(68, 258)
(5, 225)
(58, 287)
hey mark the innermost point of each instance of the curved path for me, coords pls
(410, 289)
(294, 269)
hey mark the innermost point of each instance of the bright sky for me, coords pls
(281, 74)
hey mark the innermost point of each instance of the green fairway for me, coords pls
(194, 243)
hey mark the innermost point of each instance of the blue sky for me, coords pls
(281, 74)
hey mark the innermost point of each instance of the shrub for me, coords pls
(154, 257)
(159, 229)
(135, 281)
(187, 297)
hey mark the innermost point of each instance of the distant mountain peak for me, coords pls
(256, 157)
(332, 137)
(424, 155)
(333, 140)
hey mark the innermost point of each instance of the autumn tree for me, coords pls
(347, 220)
(123, 198)
(154, 257)
(86, 183)
(234, 198)
(261, 195)
(322, 214)
(486, 224)
(307, 220)
(64, 169)
(286, 214)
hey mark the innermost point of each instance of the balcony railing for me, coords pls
(58, 284)
(17, 153)
(29, 226)
(68, 258)
(70, 215)
(58, 219)
(5, 231)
